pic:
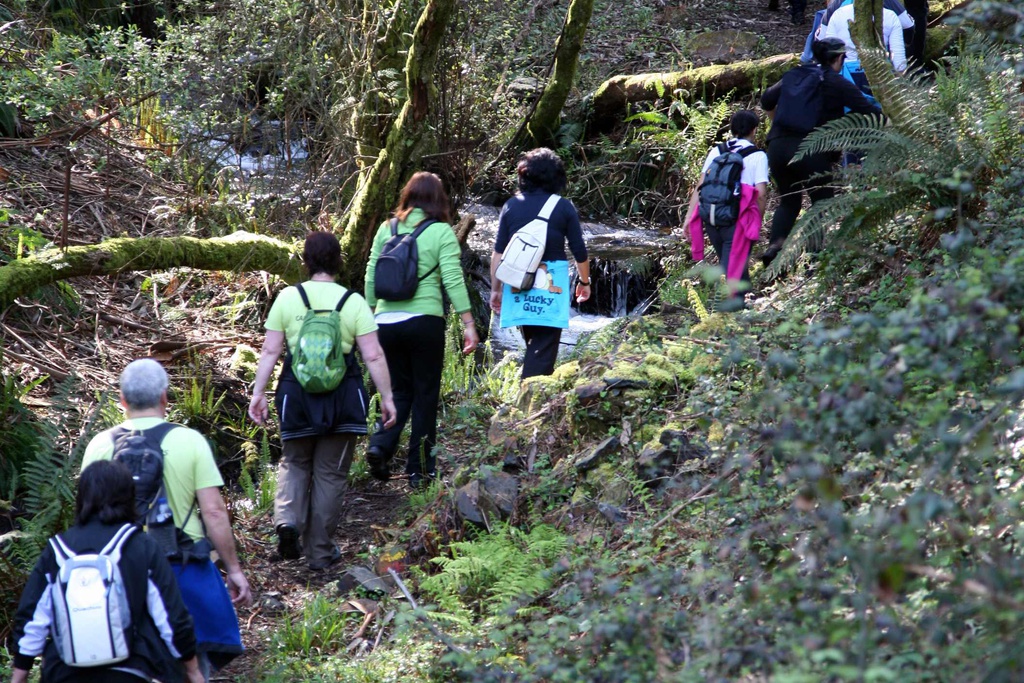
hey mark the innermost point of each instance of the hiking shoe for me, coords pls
(321, 565)
(380, 468)
(420, 482)
(288, 542)
(770, 253)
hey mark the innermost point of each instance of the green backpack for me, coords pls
(317, 360)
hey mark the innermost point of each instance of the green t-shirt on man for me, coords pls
(188, 467)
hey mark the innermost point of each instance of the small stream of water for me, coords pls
(625, 266)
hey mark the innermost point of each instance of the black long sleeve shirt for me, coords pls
(564, 225)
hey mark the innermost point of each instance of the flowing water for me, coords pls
(625, 266)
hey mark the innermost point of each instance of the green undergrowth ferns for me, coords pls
(486, 575)
(649, 172)
(258, 477)
(475, 378)
(41, 489)
(318, 631)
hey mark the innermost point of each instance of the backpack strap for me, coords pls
(302, 293)
(549, 207)
(723, 148)
(113, 547)
(61, 551)
(394, 226)
(748, 150)
(344, 298)
(160, 431)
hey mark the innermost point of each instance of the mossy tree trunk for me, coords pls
(614, 96)
(543, 124)
(378, 52)
(238, 252)
(407, 143)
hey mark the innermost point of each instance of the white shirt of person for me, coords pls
(755, 166)
(892, 34)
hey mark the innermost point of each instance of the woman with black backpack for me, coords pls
(411, 319)
(807, 96)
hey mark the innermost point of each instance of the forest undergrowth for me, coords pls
(826, 486)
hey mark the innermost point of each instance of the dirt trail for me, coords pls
(371, 511)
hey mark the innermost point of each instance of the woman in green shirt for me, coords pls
(412, 332)
(318, 430)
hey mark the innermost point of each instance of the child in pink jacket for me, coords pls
(732, 243)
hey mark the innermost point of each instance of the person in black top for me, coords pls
(918, 9)
(811, 173)
(161, 630)
(541, 174)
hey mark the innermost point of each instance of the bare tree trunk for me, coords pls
(543, 123)
(406, 144)
(238, 252)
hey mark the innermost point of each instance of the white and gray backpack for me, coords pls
(525, 249)
(91, 618)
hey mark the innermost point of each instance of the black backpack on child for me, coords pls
(718, 197)
(395, 275)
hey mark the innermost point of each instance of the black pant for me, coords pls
(721, 240)
(541, 349)
(918, 9)
(811, 174)
(415, 352)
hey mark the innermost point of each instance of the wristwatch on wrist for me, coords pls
(585, 284)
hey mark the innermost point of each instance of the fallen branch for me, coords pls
(238, 252)
(422, 616)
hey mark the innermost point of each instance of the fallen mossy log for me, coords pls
(238, 252)
(610, 100)
(706, 83)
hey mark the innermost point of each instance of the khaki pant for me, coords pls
(311, 481)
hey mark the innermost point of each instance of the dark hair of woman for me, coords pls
(106, 492)
(541, 169)
(322, 253)
(827, 50)
(743, 123)
(424, 191)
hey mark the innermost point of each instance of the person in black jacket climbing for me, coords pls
(806, 97)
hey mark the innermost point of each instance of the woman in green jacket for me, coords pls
(412, 332)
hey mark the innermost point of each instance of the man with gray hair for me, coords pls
(191, 485)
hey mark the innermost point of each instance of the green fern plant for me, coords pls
(21, 434)
(45, 482)
(943, 145)
(496, 570)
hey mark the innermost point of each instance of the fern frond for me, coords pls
(853, 131)
(903, 99)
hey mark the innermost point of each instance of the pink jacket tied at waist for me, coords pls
(748, 231)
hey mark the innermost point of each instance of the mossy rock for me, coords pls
(717, 326)
(606, 483)
(243, 361)
(537, 392)
(722, 47)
